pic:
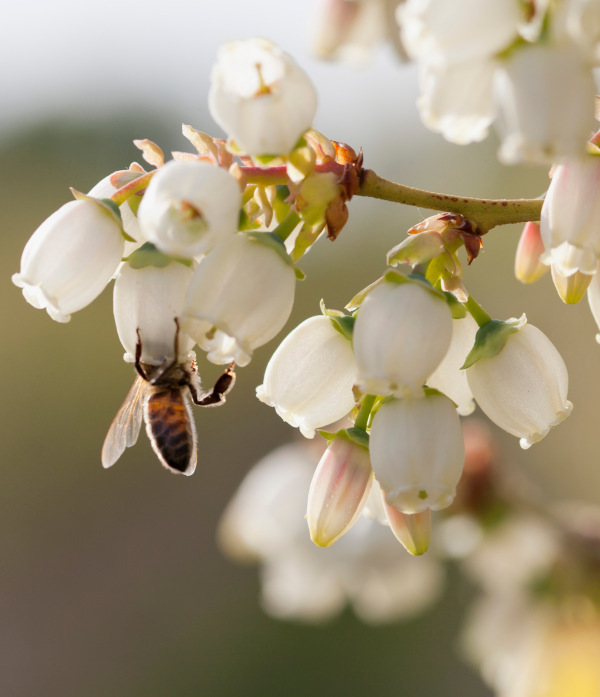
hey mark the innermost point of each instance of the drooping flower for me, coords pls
(70, 258)
(105, 189)
(150, 298)
(523, 387)
(449, 377)
(546, 96)
(310, 376)
(188, 207)
(400, 336)
(261, 97)
(417, 452)
(240, 297)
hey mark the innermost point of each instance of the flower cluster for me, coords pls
(201, 247)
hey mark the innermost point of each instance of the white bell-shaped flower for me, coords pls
(417, 452)
(188, 207)
(546, 96)
(401, 334)
(310, 376)
(338, 491)
(240, 297)
(570, 219)
(448, 376)
(458, 31)
(70, 258)
(150, 299)
(457, 99)
(261, 97)
(523, 388)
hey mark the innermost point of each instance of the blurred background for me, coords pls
(111, 581)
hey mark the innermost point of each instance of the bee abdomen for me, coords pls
(171, 430)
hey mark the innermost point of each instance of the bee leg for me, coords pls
(138, 357)
(217, 395)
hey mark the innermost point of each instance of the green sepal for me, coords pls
(342, 323)
(244, 222)
(149, 255)
(108, 206)
(353, 435)
(458, 310)
(357, 300)
(268, 239)
(393, 276)
(300, 275)
(491, 339)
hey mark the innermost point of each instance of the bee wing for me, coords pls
(125, 428)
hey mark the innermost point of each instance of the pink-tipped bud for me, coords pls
(528, 267)
(338, 491)
(413, 531)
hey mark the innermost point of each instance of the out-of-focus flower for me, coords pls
(349, 30)
(70, 258)
(448, 376)
(528, 267)
(546, 96)
(523, 388)
(400, 336)
(417, 452)
(593, 296)
(339, 490)
(240, 297)
(570, 219)
(149, 298)
(261, 97)
(366, 567)
(310, 376)
(188, 207)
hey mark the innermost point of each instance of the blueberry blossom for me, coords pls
(240, 296)
(71, 257)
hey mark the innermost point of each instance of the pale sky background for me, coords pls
(69, 55)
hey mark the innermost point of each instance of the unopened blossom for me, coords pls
(570, 218)
(261, 97)
(523, 388)
(401, 334)
(571, 286)
(412, 530)
(188, 207)
(528, 265)
(449, 377)
(546, 95)
(417, 452)
(70, 258)
(265, 522)
(149, 299)
(310, 376)
(240, 296)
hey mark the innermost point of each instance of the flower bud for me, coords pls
(240, 297)
(413, 531)
(417, 452)
(570, 219)
(310, 376)
(338, 491)
(70, 258)
(523, 387)
(261, 97)
(570, 287)
(449, 377)
(528, 267)
(149, 299)
(188, 207)
(401, 334)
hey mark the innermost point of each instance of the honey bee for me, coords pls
(161, 395)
